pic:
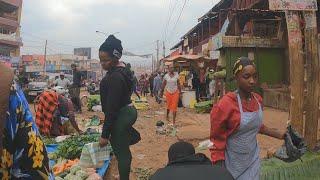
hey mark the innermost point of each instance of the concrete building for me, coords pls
(62, 62)
(82, 52)
(10, 40)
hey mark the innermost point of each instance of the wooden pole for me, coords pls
(312, 60)
(45, 58)
(296, 70)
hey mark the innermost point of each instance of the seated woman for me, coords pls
(23, 154)
(54, 114)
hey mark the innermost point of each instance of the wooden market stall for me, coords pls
(186, 65)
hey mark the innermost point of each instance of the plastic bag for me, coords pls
(85, 158)
(293, 148)
(94, 156)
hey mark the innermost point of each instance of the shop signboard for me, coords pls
(217, 41)
(298, 5)
(34, 68)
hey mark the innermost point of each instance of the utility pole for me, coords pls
(164, 50)
(152, 63)
(45, 58)
(157, 52)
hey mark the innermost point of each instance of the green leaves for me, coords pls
(71, 148)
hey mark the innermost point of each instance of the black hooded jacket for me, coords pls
(194, 167)
(115, 92)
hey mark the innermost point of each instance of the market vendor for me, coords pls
(22, 152)
(172, 89)
(120, 114)
(235, 122)
(55, 114)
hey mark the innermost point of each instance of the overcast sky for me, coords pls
(72, 23)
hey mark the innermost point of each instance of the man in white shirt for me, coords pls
(62, 81)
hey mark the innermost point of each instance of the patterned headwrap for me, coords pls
(240, 64)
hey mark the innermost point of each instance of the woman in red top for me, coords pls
(235, 122)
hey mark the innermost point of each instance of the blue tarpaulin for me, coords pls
(51, 148)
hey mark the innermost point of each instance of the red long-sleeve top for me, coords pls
(225, 120)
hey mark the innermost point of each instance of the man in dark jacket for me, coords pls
(184, 164)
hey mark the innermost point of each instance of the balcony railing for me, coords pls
(15, 3)
(11, 24)
(10, 16)
(12, 38)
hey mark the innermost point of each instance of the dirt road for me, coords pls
(151, 151)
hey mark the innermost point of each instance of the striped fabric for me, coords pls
(48, 103)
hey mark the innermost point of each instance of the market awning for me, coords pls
(187, 58)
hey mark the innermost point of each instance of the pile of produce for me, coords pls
(46, 140)
(94, 121)
(141, 104)
(307, 168)
(64, 166)
(77, 173)
(93, 100)
(220, 74)
(71, 148)
(203, 107)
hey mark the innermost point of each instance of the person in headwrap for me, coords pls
(120, 114)
(185, 164)
(235, 122)
(22, 152)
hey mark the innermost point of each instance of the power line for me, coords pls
(170, 13)
(52, 41)
(175, 25)
(141, 45)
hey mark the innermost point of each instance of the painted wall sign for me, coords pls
(293, 5)
(293, 26)
(310, 19)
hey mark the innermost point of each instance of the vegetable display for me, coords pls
(71, 148)
(64, 166)
(78, 173)
(203, 107)
(141, 104)
(93, 100)
(49, 140)
(307, 168)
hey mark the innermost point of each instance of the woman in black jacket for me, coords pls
(116, 90)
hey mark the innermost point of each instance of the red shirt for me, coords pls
(225, 120)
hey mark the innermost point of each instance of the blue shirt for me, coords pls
(157, 83)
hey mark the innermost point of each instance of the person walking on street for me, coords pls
(62, 81)
(235, 122)
(120, 113)
(75, 88)
(146, 85)
(196, 84)
(172, 89)
(135, 85)
(142, 85)
(157, 83)
(151, 78)
(135, 80)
